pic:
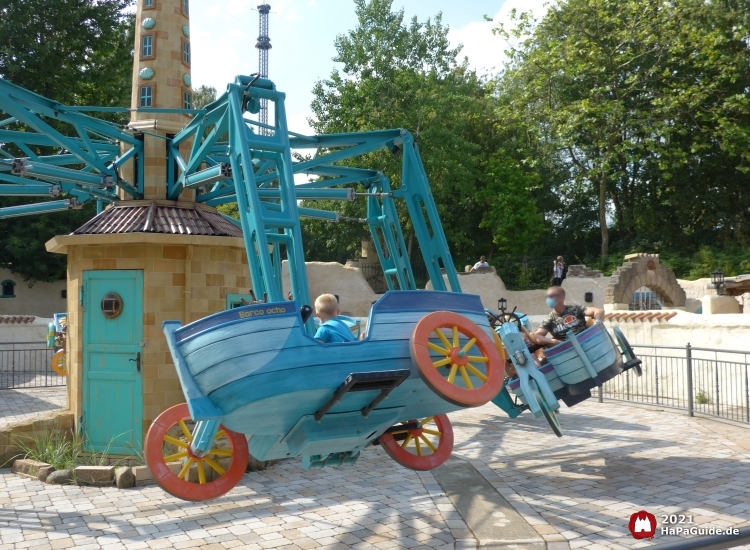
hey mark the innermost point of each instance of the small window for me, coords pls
(186, 53)
(8, 289)
(64, 293)
(185, 7)
(148, 4)
(187, 100)
(147, 46)
(147, 96)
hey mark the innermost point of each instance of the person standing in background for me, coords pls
(560, 270)
(481, 263)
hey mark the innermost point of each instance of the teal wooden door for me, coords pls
(112, 381)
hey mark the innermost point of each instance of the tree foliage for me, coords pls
(646, 103)
(402, 74)
(77, 52)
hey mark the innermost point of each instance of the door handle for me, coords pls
(137, 361)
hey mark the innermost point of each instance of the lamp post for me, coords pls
(717, 279)
(501, 303)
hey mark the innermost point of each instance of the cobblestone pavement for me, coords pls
(23, 404)
(613, 460)
(577, 492)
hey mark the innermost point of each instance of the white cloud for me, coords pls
(485, 50)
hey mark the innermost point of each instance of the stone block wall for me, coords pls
(185, 278)
(59, 421)
(581, 271)
(641, 270)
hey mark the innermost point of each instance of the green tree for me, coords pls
(646, 103)
(76, 52)
(399, 74)
(203, 95)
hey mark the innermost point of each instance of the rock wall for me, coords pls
(41, 300)
(728, 331)
(355, 294)
(27, 431)
(33, 331)
(490, 287)
(641, 270)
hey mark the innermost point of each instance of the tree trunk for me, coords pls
(603, 215)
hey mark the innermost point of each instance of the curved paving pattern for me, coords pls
(577, 491)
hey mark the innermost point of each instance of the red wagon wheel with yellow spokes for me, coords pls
(424, 447)
(464, 366)
(182, 473)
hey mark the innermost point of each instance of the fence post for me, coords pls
(601, 394)
(689, 361)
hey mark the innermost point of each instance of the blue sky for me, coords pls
(302, 34)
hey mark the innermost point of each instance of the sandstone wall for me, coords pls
(41, 300)
(36, 331)
(490, 287)
(184, 278)
(28, 430)
(355, 294)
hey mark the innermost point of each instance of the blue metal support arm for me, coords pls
(40, 208)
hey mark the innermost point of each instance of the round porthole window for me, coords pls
(111, 305)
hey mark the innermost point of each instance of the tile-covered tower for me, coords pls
(161, 80)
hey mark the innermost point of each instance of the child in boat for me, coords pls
(332, 326)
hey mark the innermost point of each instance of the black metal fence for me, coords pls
(27, 365)
(707, 381)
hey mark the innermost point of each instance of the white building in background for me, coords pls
(41, 300)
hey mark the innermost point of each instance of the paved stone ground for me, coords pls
(614, 459)
(577, 491)
(23, 404)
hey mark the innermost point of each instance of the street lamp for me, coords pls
(717, 279)
(501, 303)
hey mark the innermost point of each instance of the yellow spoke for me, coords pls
(406, 441)
(442, 362)
(443, 339)
(220, 452)
(455, 337)
(452, 374)
(435, 347)
(432, 432)
(185, 430)
(176, 456)
(478, 359)
(427, 420)
(473, 370)
(419, 447)
(469, 344)
(201, 472)
(466, 378)
(175, 441)
(428, 443)
(220, 434)
(211, 462)
(185, 468)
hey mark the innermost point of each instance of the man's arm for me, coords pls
(540, 338)
(595, 312)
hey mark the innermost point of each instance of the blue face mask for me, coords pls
(551, 302)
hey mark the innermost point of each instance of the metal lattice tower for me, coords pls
(263, 45)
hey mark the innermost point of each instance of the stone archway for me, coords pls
(641, 270)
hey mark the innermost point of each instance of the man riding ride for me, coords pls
(563, 318)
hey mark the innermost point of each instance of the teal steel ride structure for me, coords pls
(232, 159)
